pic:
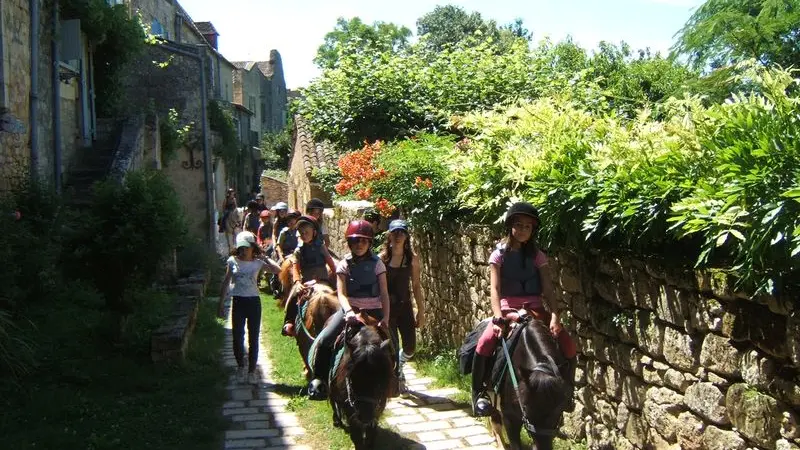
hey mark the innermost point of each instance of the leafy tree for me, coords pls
(275, 149)
(354, 35)
(517, 29)
(448, 25)
(724, 32)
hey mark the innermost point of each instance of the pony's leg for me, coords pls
(337, 415)
(513, 427)
(544, 443)
(497, 429)
(357, 436)
(370, 435)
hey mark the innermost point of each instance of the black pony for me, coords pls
(541, 396)
(361, 383)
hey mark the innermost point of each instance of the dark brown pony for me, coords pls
(322, 304)
(362, 381)
(539, 368)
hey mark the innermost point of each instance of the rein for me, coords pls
(301, 317)
(550, 368)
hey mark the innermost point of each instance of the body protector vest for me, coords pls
(310, 255)
(519, 275)
(362, 281)
(289, 241)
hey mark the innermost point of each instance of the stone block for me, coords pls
(679, 349)
(754, 414)
(783, 444)
(718, 439)
(634, 392)
(572, 425)
(607, 413)
(649, 333)
(757, 370)
(705, 314)
(671, 308)
(636, 430)
(612, 383)
(664, 396)
(707, 401)
(717, 354)
(662, 419)
(678, 380)
(569, 280)
(690, 434)
(599, 436)
(793, 337)
(622, 416)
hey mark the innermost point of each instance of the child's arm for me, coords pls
(416, 286)
(329, 260)
(226, 281)
(341, 290)
(270, 265)
(382, 285)
(297, 277)
(278, 249)
(549, 299)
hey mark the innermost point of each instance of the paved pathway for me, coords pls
(259, 418)
(427, 416)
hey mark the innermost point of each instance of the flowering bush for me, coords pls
(358, 171)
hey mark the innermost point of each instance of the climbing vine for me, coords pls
(116, 38)
(221, 121)
(173, 135)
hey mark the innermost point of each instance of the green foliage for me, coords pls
(409, 164)
(276, 173)
(220, 120)
(449, 25)
(132, 228)
(327, 177)
(173, 135)
(276, 148)
(725, 32)
(116, 39)
(355, 36)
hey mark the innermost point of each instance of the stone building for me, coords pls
(274, 190)
(47, 137)
(307, 155)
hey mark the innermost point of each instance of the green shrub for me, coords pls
(173, 135)
(132, 227)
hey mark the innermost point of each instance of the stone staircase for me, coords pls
(93, 164)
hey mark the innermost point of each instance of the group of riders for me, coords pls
(377, 280)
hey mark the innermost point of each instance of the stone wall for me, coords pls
(15, 121)
(668, 357)
(274, 190)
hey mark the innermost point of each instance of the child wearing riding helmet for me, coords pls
(244, 267)
(403, 276)
(264, 235)
(281, 210)
(361, 287)
(287, 238)
(520, 279)
(311, 263)
(315, 208)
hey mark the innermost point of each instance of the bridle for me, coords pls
(353, 399)
(550, 368)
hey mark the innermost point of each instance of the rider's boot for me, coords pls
(317, 390)
(572, 364)
(481, 406)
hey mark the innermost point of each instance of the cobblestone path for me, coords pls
(428, 417)
(258, 416)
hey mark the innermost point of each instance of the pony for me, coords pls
(322, 302)
(361, 384)
(231, 225)
(541, 397)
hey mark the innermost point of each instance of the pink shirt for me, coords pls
(362, 302)
(516, 302)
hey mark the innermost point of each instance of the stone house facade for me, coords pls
(64, 120)
(306, 156)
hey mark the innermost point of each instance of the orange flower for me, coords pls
(428, 183)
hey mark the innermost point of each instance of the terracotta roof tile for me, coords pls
(316, 155)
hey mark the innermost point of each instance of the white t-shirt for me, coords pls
(244, 276)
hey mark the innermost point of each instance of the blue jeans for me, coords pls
(246, 309)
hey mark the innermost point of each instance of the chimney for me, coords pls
(209, 33)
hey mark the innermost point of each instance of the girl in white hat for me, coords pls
(244, 267)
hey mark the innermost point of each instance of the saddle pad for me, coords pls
(338, 353)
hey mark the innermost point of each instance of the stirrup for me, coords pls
(316, 390)
(481, 406)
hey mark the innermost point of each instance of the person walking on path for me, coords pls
(519, 279)
(244, 267)
(361, 286)
(403, 276)
(252, 220)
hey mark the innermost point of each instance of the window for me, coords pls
(251, 104)
(156, 29)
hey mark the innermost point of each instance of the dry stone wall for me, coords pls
(668, 357)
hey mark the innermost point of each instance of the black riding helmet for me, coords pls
(314, 203)
(522, 208)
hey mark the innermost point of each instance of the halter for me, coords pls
(352, 399)
(550, 368)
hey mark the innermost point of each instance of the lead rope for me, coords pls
(528, 426)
